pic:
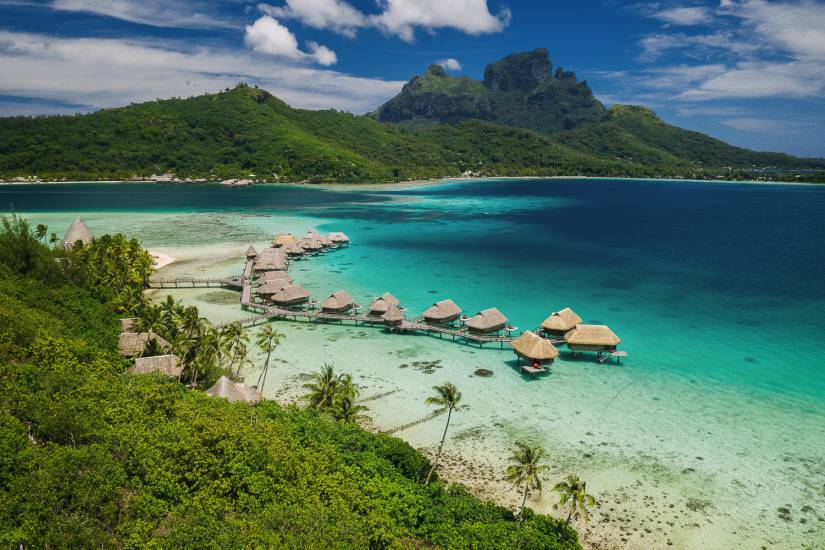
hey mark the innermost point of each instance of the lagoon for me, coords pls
(715, 420)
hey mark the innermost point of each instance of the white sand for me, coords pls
(161, 259)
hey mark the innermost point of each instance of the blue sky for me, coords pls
(751, 72)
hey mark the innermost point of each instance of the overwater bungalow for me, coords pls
(293, 251)
(78, 231)
(311, 246)
(270, 264)
(393, 316)
(168, 365)
(560, 323)
(290, 296)
(442, 313)
(598, 338)
(233, 391)
(312, 235)
(133, 344)
(325, 241)
(489, 321)
(278, 275)
(251, 253)
(338, 238)
(535, 350)
(283, 239)
(380, 305)
(338, 302)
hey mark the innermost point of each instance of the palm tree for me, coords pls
(152, 320)
(237, 340)
(53, 238)
(446, 397)
(41, 232)
(346, 409)
(215, 344)
(268, 339)
(524, 470)
(574, 496)
(323, 387)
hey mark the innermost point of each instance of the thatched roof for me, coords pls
(131, 344)
(338, 237)
(489, 320)
(283, 239)
(312, 235)
(270, 264)
(310, 244)
(380, 304)
(233, 391)
(324, 240)
(393, 315)
(443, 311)
(534, 347)
(290, 294)
(293, 249)
(78, 231)
(276, 275)
(338, 301)
(269, 288)
(592, 335)
(562, 321)
(162, 364)
(251, 252)
(272, 251)
(128, 324)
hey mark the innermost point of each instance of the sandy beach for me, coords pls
(161, 259)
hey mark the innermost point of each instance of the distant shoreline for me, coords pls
(417, 183)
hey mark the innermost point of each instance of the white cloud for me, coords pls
(761, 79)
(759, 125)
(268, 36)
(450, 64)
(333, 15)
(156, 13)
(398, 17)
(685, 16)
(473, 17)
(798, 27)
(96, 73)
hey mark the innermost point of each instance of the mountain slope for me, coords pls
(519, 90)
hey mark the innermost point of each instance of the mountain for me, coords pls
(246, 132)
(520, 90)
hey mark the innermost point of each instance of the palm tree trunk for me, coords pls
(569, 515)
(266, 370)
(440, 447)
(523, 502)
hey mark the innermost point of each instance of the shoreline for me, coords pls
(161, 260)
(425, 182)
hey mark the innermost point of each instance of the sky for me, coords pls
(751, 72)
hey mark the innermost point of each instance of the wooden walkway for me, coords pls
(235, 283)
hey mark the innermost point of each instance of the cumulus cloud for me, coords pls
(156, 13)
(398, 17)
(268, 36)
(333, 15)
(798, 27)
(96, 72)
(684, 16)
(449, 63)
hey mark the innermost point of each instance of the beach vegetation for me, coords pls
(524, 471)
(574, 498)
(268, 339)
(446, 398)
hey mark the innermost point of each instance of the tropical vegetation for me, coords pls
(92, 457)
(446, 398)
(525, 467)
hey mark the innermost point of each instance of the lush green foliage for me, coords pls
(90, 457)
(247, 131)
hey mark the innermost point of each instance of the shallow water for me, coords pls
(714, 289)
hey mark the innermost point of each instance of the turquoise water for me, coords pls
(714, 288)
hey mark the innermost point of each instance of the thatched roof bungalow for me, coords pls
(339, 238)
(127, 324)
(168, 365)
(275, 275)
(283, 239)
(488, 321)
(78, 231)
(293, 250)
(379, 306)
(338, 302)
(393, 316)
(325, 241)
(290, 295)
(561, 322)
(597, 338)
(312, 235)
(233, 391)
(251, 253)
(133, 344)
(533, 347)
(310, 245)
(443, 312)
(270, 264)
